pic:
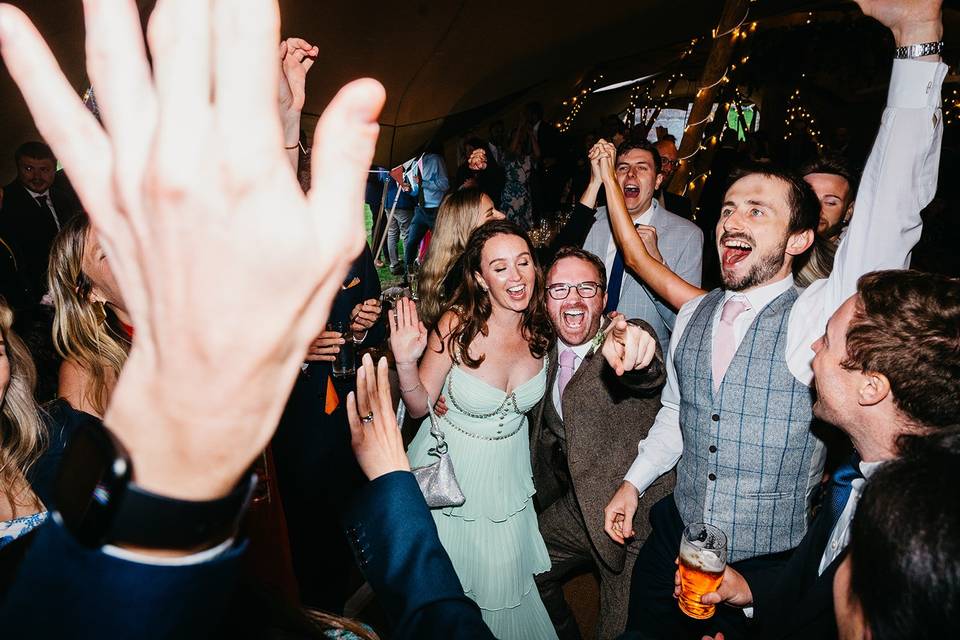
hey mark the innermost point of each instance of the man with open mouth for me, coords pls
(573, 471)
(737, 402)
(639, 174)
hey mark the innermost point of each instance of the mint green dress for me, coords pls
(493, 539)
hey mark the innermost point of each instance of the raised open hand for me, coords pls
(408, 335)
(177, 183)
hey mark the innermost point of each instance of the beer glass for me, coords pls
(703, 556)
(345, 363)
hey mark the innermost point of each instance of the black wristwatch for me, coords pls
(97, 501)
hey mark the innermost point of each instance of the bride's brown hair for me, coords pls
(471, 304)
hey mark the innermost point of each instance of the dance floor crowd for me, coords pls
(218, 422)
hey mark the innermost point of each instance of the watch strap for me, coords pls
(145, 519)
(919, 50)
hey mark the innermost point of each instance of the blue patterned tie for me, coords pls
(841, 484)
(614, 282)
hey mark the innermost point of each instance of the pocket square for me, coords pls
(352, 283)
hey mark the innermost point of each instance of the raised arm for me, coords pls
(668, 285)
(899, 180)
(421, 379)
(296, 58)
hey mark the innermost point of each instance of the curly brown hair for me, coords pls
(472, 305)
(906, 325)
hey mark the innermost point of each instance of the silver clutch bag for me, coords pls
(437, 481)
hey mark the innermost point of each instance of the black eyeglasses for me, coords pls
(561, 290)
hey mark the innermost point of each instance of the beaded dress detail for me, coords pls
(493, 538)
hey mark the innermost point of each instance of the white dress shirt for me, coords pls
(840, 536)
(581, 351)
(900, 178)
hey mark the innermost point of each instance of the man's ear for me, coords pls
(799, 242)
(848, 214)
(874, 388)
(658, 181)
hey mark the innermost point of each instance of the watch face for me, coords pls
(93, 477)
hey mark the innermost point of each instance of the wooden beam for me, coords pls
(726, 34)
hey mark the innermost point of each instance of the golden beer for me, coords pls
(703, 557)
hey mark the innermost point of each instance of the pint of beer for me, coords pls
(703, 556)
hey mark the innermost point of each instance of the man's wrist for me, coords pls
(918, 33)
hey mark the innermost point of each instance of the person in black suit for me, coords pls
(899, 328)
(35, 206)
(316, 471)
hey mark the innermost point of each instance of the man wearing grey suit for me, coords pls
(639, 173)
(576, 441)
(737, 403)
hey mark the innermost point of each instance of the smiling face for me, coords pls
(487, 212)
(753, 237)
(35, 174)
(576, 319)
(638, 179)
(507, 272)
(836, 202)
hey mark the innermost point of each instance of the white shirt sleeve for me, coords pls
(899, 180)
(660, 450)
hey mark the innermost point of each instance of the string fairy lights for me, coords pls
(798, 120)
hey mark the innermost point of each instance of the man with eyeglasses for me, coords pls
(577, 433)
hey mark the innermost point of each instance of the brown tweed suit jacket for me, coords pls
(604, 416)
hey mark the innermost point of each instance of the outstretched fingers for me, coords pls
(68, 127)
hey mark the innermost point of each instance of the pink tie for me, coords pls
(567, 360)
(725, 342)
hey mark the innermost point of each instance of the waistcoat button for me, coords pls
(713, 449)
(712, 476)
(715, 417)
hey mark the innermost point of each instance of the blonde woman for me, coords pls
(23, 435)
(91, 327)
(461, 212)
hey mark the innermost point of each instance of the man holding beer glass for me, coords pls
(737, 403)
(899, 327)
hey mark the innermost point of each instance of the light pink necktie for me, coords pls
(725, 342)
(567, 360)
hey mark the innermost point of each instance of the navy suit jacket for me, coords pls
(397, 547)
(797, 601)
(65, 590)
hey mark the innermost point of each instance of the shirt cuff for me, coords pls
(641, 475)
(177, 561)
(748, 611)
(915, 84)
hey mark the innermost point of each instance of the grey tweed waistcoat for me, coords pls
(748, 452)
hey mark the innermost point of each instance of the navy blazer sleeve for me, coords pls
(395, 540)
(65, 590)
